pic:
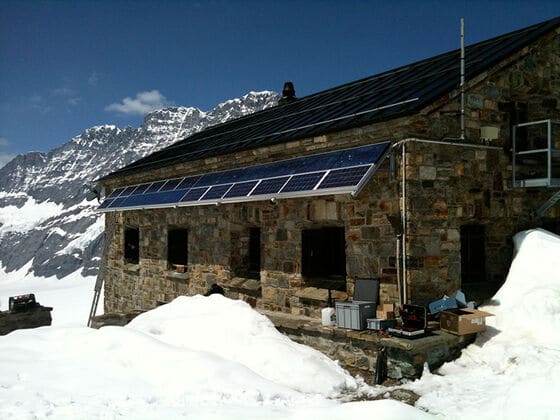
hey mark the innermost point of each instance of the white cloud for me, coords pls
(5, 158)
(144, 103)
(4, 141)
(93, 79)
(71, 96)
(64, 91)
(38, 103)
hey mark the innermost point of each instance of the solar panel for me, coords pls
(270, 186)
(140, 189)
(115, 193)
(117, 202)
(106, 203)
(155, 187)
(303, 182)
(341, 171)
(216, 192)
(188, 182)
(127, 191)
(194, 194)
(241, 189)
(344, 177)
(171, 184)
(165, 197)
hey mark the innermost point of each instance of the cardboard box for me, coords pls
(385, 311)
(379, 314)
(386, 307)
(463, 321)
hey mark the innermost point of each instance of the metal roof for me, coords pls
(391, 94)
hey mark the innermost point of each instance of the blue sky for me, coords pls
(69, 65)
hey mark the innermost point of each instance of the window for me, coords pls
(177, 247)
(131, 245)
(473, 254)
(254, 254)
(324, 257)
(246, 252)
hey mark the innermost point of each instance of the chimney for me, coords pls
(288, 94)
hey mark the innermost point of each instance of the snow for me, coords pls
(214, 358)
(70, 296)
(513, 369)
(83, 240)
(25, 218)
(203, 317)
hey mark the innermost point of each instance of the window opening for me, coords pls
(324, 257)
(254, 253)
(473, 254)
(177, 247)
(131, 245)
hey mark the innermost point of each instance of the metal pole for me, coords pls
(514, 156)
(403, 253)
(549, 173)
(462, 79)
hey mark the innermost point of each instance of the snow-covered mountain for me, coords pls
(44, 214)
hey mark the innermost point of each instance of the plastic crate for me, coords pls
(354, 315)
(380, 324)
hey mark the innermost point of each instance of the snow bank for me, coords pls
(234, 331)
(196, 358)
(512, 371)
(117, 372)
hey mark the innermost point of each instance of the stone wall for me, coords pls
(214, 233)
(447, 187)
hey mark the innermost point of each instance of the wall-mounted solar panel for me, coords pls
(188, 182)
(216, 192)
(171, 184)
(270, 186)
(305, 182)
(153, 199)
(155, 186)
(344, 177)
(241, 189)
(127, 191)
(115, 193)
(105, 203)
(141, 189)
(338, 172)
(194, 194)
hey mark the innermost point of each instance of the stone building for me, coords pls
(402, 176)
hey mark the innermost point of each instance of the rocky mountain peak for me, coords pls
(67, 233)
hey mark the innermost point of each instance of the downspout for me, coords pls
(403, 240)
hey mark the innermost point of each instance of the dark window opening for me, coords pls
(473, 254)
(254, 255)
(177, 247)
(131, 245)
(246, 253)
(323, 261)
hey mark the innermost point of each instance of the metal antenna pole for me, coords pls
(462, 85)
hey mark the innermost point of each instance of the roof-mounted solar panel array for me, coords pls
(342, 171)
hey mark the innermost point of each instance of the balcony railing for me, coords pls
(536, 154)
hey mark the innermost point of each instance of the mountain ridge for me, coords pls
(61, 231)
